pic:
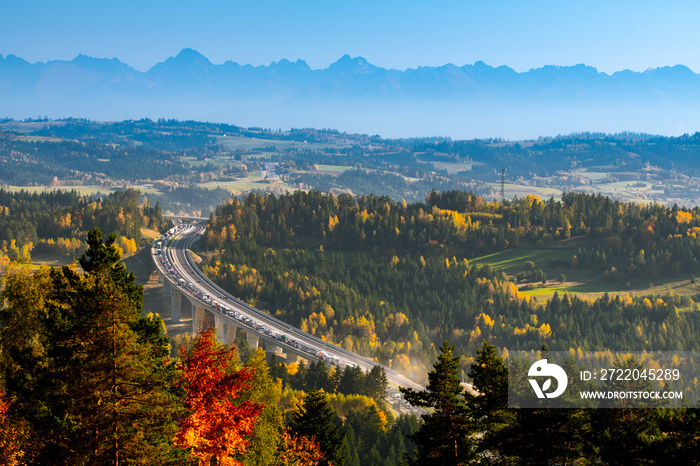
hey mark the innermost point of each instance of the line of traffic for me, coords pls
(176, 264)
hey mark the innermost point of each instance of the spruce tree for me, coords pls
(376, 384)
(446, 436)
(317, 420)
(490, 378)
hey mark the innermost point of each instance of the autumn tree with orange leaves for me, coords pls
(217, 426)
(12, 437)
(298, 450)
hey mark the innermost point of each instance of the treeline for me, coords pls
(548, 156)
(180, 135)
(58, 221)
(161, 135)
(29, 163)
(390, 280)
(379, 183)
(638, 240)
(170, 135)
(368, 223)
(349, 381)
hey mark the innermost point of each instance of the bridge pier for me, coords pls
(175, 305)
(189, 311)
(167, 287)
(253, 339)
(231, 334)
(292, 357)
(273, 349)
(200, 319)
(220, 328)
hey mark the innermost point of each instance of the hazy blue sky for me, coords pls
(610, 35)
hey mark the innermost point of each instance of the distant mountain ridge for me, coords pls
(352, 93)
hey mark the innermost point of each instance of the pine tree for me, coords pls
(317, 376)
(318, 421)
(446, 435)
(490, 378)
(377, 384)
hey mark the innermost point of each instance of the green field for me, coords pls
(591, 290)
(251, 182)
(333, 168)
(513, 261)
(581, 281)
(451, 167)
(594, 176)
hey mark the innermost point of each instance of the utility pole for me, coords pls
(503, 185)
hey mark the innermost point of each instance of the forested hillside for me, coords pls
(43, 163)
(392, 280)
(86, 379)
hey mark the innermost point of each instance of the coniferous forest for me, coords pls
(393, 280)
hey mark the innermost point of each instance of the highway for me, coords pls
(176, 265)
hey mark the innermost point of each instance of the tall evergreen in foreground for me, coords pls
(446, 435)
(318, 421)
(91, 381)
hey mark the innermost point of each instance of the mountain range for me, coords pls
(354, 95)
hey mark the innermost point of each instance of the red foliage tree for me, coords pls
(216, 427)
(11, 438)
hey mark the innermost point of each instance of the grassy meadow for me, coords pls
(584, 282)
